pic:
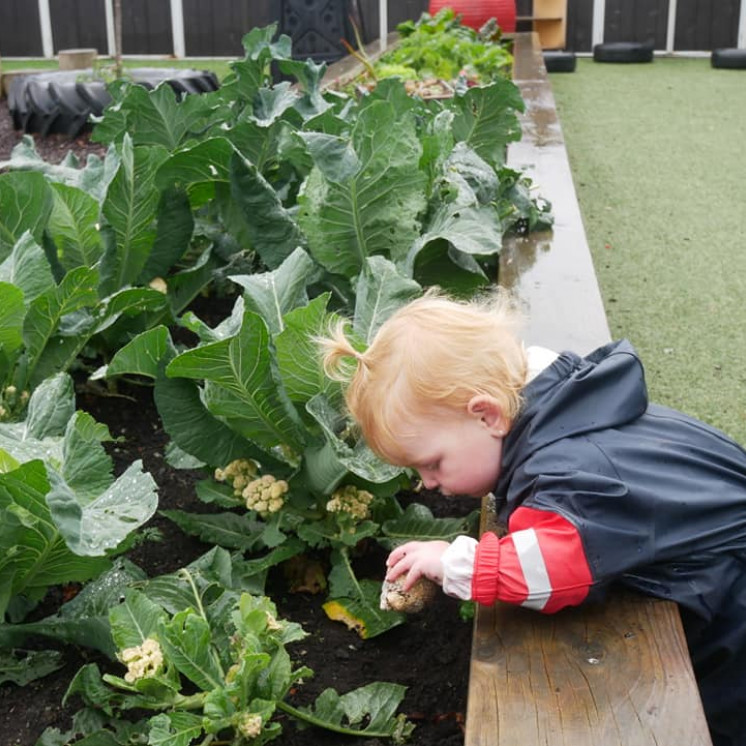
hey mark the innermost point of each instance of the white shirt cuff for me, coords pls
(458, 567)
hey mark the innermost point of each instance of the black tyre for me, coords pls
(729, 59)
(63, 101)
(623, 51)
(560, 62)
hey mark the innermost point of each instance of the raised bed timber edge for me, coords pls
(612, 674)
(599, 675)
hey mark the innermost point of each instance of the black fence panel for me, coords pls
(146, 27)
(79, 23)
(20, 34)
(579, 26)
(637, 20)
(705, 25)
(214, 28)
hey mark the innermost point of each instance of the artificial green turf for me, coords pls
(658, 155)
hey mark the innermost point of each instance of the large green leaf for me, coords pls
(25, 205)
(485, 119)
(130, 209)
(271, 229)
(92, 526)
(194, 429)
(12, 313)
(381, 289)
(92, 178)
(46, 315)
(173, 234)
(51, 407)
(84, 620)
(143, 354)
(27, 268)
(134, 620)
(33, 553)
(73, 227)
(354, 205)
(418, 524)
(273, 294)
(243, 386)
(298, 353)
(155, 117)
(204, 162)
(358, 458)
(368, 711)
(186, 642)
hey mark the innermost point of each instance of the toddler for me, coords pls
(594, 484)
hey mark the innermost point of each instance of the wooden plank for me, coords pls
(614, 673)
(610, 674)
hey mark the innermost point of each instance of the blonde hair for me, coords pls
(434, 353)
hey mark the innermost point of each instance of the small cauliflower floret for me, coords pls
(159, 284)
(238, 473)
(350, 499)
(143, 661)
(395, 598)
(265, 495)
(249, 725)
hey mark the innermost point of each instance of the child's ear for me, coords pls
(487, 409)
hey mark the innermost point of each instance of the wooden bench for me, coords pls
(616, 673)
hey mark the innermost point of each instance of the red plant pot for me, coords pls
(476, 13)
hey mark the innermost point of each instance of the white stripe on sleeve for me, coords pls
(529, 555)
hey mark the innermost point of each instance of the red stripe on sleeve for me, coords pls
(502, 572)
(564, 556)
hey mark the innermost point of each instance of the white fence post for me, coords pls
(741, 43)
(383, 23)
(45, 24)
(671, 30)
(599, 20)
(177, 28)
(111, 44)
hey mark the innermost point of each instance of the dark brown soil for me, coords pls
(429, 654)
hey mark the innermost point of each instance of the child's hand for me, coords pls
(417, 559)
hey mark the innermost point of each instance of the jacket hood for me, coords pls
(574, 396)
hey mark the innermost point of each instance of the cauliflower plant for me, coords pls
(265, 495)
(238, 473)
(249, 725)
(350, 499)
(143, 661)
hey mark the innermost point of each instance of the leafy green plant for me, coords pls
(251, 402)
(208, 658)
(441, 47)
(63, 514)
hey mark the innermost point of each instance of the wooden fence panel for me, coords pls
(579, 36)
(705, 25)
(79, 23)
(214, 28)
(637, 20)
(20, 34)
(146, 27)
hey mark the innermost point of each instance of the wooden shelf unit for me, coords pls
(549, 20)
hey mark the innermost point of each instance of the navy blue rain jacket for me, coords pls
(656, 501)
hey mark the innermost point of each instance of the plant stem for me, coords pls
(313, 720)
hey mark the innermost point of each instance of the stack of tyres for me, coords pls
(62, 102)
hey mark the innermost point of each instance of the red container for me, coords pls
(476, 13)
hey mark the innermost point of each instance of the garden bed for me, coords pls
(429, 655)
